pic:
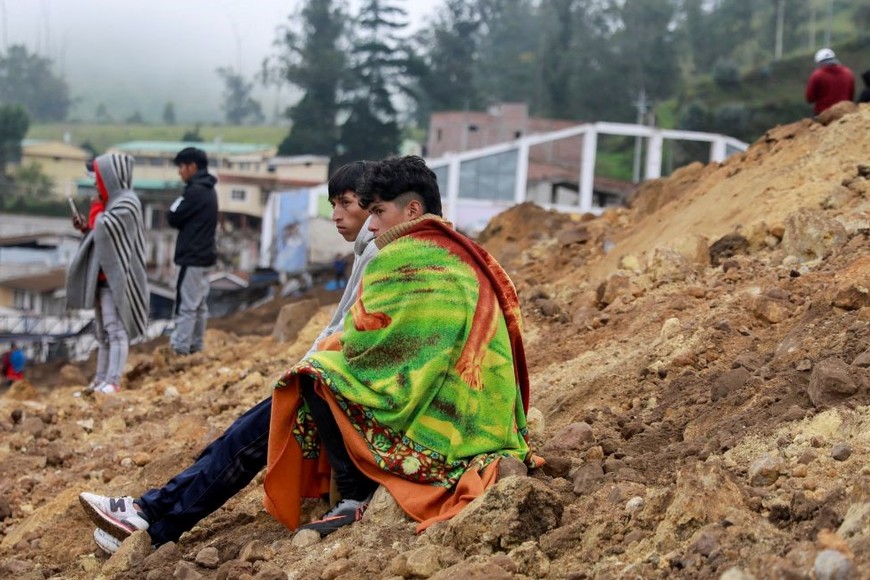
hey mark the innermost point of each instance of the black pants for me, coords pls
(351, 482)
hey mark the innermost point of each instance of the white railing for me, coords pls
(720, 147)
(34, 324)
(471, 213)
(36, 333)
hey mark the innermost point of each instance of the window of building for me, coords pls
(238, 195)
(22, 300)
(438, 135)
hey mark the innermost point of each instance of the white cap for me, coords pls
(824, 54)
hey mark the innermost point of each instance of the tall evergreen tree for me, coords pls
(447, 82)
(379, 66)
(508, 68)
(238, 105)
(697, 31)
(572, 85)
(27, 79)
(14, 124)
(643, 51)
(169, 114)
(734, 31)
(311, 58)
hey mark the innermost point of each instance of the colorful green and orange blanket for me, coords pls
(429, 387)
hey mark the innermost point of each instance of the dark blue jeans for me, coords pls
(231, 461)
(222, 470)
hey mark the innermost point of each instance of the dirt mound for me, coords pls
(698, 420)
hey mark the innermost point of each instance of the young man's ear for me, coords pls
(415, 209)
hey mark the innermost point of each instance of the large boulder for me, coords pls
(812, 235)
(292, 318)
(513, 511)
(831, 382)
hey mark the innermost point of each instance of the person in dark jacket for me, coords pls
(194, 215)
(865, 94)
(830, 83)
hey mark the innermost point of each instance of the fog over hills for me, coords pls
(137, 55)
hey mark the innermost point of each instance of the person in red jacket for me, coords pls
(830, 83)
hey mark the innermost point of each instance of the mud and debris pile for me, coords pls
(700, 367)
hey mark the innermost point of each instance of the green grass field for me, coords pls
(101, 137)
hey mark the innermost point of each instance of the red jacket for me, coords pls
(828, 85)
(98, 206)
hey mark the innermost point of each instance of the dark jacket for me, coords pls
(194, 215)
(865, 94)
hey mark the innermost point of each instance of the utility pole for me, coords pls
(3, 14)
(641, 104)
(780, 19)
(830, 23)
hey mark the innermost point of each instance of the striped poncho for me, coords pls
(116, 246)
(429, 389)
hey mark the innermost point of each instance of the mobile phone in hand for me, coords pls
(73, 207)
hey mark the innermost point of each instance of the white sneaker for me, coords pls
(117, 516)
(106, 543)
(107, 388)
(89, 390)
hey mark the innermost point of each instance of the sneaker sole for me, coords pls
(104, 544)
(114, 527)
(326, 526)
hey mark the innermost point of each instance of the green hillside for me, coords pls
(756, 100)
(102, 136)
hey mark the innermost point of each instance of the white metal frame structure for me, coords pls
(721, 146)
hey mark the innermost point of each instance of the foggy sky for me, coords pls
(136, 55)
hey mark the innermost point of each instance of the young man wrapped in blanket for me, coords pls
(424, 391)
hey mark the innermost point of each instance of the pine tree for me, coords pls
(447, 74)
(313, 61)
(508, 69)
(238, 104)
(169, 114)
(378, 71)
(27, 79)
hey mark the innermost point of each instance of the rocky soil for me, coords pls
(700, 368)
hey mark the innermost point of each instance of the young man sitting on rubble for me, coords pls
(229, 463)
(426, 389)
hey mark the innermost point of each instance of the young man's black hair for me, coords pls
(391, 178)
(347, 177)
(190, 155)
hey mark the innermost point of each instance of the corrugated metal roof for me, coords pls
(47, 281)
(176, 146)
(145, 184)
(44, 148)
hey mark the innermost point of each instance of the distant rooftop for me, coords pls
(45, 281)
(299, 160)
(149, 184)
(176, 146)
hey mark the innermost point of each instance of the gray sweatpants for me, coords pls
(191, 310)
(112, 340)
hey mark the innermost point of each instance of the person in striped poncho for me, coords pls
(108, 270)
